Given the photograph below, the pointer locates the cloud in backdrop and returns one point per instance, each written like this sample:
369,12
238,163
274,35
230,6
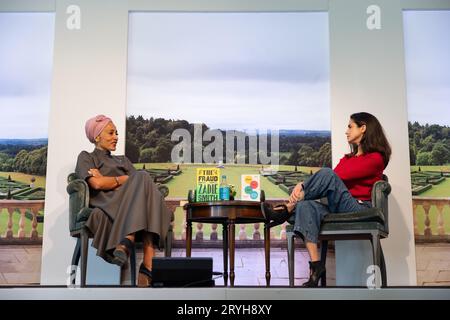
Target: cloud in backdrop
26,58
427,58
240,71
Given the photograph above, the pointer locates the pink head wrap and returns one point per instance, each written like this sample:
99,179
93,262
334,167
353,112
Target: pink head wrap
94,126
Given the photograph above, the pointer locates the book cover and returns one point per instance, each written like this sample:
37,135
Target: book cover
250,187
207,184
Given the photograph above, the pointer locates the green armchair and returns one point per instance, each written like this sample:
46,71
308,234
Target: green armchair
79,212
371,224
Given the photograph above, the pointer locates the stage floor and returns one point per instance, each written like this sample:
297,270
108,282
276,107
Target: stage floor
223,293
21,265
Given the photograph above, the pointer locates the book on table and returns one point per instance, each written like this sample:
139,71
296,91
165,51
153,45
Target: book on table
207,185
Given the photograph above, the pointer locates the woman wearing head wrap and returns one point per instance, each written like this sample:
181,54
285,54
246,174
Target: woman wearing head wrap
127,204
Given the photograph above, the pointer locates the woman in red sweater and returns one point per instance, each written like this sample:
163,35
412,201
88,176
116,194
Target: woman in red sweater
347,188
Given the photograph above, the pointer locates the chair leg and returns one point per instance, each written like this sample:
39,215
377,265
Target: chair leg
376,254
323,258
168,243
84,256
133,266
290,252
75,261
225,253
383,269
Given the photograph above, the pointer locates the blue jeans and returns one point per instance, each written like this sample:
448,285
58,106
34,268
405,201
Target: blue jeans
309,213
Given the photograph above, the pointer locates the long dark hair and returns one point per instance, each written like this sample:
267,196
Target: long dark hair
374,139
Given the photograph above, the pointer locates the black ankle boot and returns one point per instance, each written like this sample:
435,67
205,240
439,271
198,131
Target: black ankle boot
317,272
276,215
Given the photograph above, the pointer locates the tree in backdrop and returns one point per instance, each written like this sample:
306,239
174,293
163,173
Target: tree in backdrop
132,150
149,140
32,162
440,154
429,144
6,162
324,155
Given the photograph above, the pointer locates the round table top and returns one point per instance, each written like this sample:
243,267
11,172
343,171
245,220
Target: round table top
223,203
237,210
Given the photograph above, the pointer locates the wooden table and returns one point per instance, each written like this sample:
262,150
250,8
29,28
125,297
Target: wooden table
228,213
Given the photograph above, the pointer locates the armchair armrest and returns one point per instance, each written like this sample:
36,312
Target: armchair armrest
79,188
380,191
163,189
79,210
71,177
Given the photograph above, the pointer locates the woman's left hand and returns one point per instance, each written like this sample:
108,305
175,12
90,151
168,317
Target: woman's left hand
295,195
95,173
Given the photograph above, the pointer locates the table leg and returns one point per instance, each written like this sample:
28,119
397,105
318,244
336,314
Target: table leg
267,252
225,252
232,240
188,238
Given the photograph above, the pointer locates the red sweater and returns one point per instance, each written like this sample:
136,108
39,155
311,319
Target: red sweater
359,173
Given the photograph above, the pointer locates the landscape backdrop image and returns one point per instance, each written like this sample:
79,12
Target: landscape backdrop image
26,52
428,92
427,49
228,74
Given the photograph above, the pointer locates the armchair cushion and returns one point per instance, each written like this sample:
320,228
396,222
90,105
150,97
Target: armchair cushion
345,227
372,214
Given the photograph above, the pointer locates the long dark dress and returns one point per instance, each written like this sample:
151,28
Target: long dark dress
135,206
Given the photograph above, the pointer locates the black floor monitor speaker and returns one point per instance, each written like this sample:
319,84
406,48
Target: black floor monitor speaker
182,272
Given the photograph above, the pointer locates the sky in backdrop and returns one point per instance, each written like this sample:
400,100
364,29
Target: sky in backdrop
242,71
427,57
229,70
26,59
